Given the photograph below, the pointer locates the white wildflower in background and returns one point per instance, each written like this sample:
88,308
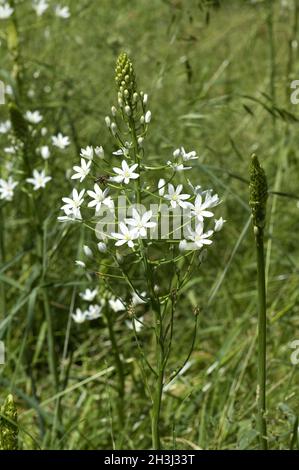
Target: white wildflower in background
89,295
79,316
219,224
125,173
100,197
72,205
7,189
34,117
87,152
62,12
60,141
5,127
116,305
45,152
141,223
40,6
125,236
5,11
10,150
198,237
39,179
176,198
135,324
93,312
81,171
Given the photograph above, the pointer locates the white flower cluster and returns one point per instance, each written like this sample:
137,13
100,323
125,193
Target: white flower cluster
197,205
94,311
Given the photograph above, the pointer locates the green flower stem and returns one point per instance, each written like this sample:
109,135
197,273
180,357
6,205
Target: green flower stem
160,368
262,325
119,368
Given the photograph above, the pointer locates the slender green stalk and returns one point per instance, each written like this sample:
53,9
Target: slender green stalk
160,367
262,325
257,199
119,369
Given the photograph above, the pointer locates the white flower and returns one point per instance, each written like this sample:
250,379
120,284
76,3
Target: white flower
121,152
116,305
176,198
137,300
145,98
141,223
81,171
135,324
99,151
200,207
34,117
72,206
108,121
60,141
5,11
79,316
62,12
7,189
79,263
199,238
125,173
126,236
93,312
87,251
88,295
177,153
188,155
39,180
161,186
87,153
5,127
102,247
100,197
45,152
148,117
40,6
178,166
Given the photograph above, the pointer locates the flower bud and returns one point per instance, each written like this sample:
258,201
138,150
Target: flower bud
113,128
128,110
87,251
102,247
113,111
148,117
108,121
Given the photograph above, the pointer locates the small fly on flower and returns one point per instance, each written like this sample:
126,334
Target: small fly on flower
103,179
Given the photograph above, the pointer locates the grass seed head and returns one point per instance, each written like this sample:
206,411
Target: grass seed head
258,192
